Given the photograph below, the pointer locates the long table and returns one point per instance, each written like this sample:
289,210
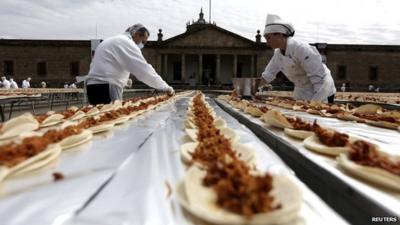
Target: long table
123,177
354,199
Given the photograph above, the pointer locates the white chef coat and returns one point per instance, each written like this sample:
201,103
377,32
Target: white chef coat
302,65
6,84
118,56
13,84
25,84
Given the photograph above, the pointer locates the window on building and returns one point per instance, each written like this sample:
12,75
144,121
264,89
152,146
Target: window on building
8,68
373,73
177,73
42,69
341,72
74,69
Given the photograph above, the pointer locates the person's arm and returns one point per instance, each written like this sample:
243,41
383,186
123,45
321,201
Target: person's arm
270,71
132,60
311,62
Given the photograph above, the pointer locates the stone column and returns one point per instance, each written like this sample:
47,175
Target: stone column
252,67
159,64
200,76
234,66
183,68
218,69
165,67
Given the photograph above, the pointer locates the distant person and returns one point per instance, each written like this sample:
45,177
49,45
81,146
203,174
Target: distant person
66,85
371,88
73,85
26,83
117,57
300,62
343,88
6,83
13,84
43,84
377,90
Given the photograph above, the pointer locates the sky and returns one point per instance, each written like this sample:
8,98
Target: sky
374,22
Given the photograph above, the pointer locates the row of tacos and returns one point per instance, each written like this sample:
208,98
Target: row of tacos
37,149
27,122
222,184
370,114
355,155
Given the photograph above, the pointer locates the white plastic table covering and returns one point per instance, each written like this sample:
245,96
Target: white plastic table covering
389,140
138,195
37,199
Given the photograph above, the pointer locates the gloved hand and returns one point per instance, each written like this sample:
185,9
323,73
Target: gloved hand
170,91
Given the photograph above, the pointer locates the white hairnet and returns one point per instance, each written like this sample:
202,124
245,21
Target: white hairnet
132,29
275,24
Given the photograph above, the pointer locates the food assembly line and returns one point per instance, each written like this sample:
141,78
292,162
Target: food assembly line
189,159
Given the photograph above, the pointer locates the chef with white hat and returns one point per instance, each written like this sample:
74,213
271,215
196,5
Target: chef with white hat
116,58
300,62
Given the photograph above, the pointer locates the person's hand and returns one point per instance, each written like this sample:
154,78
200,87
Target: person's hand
170,91
262,82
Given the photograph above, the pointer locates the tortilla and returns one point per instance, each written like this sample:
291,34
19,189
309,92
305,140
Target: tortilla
117,104
383,124
101,128
371,174
276,119
107,107
242,105
93,111
73,108
254,111
136,113
52,120
367,109
18,125
119,120
34,162
349,116
286,105
246,154
299,134
127,104
186,150
200,201
220,123
189,124
394,114
75,140
312,143
299,108
78,115
40,163
313,111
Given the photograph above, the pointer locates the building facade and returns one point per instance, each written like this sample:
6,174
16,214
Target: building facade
54,61
204,56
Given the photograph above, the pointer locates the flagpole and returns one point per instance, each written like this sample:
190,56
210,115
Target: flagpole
210,12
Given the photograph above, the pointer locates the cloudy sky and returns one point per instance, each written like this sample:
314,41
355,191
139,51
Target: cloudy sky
331,21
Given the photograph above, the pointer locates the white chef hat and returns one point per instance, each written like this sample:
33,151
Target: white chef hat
275,24
132,29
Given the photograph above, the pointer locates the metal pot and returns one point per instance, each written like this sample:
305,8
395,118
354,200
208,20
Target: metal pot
246,86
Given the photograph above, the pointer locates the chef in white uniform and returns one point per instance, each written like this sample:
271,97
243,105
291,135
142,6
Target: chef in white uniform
115,58
6,83
300,62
